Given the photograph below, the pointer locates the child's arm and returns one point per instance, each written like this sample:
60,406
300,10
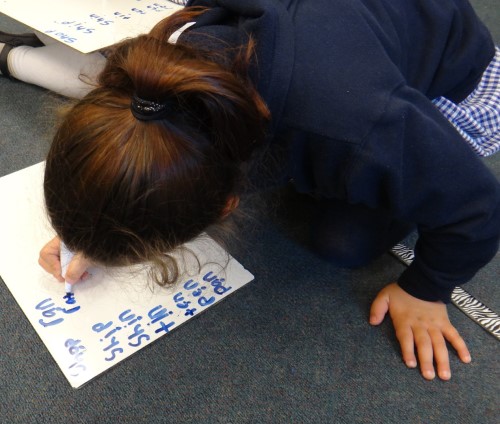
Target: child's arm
420,325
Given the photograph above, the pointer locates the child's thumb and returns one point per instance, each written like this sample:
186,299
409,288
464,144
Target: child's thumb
379,308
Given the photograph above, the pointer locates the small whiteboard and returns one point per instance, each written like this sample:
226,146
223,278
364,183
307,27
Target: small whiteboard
113,314
89,25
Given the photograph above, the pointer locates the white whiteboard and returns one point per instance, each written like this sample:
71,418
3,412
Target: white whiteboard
115,314
89,25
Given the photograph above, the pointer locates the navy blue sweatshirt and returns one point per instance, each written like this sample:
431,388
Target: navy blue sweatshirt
349,84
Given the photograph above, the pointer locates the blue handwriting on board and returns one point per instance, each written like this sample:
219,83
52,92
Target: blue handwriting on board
121,15
50,310
76,350
128,328
75,25
61,36
82,27
196,291
216,283
128,320
69,298
100,19
153,7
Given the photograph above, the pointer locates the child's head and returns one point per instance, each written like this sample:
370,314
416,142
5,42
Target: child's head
124,190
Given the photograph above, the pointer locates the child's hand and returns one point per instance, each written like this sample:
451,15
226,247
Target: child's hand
420,325
50,261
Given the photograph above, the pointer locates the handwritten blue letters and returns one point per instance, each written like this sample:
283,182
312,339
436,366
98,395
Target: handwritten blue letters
76,350
50,310
129,329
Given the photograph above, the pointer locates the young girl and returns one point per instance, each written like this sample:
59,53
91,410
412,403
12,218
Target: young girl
352,94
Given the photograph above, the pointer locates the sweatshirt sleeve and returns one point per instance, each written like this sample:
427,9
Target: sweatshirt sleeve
415,164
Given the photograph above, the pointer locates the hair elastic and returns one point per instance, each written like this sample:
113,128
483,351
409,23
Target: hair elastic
148,110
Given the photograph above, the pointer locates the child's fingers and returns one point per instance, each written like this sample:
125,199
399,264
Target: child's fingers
423,344
405,338
440,354
49,258
52,265
77,268
452,335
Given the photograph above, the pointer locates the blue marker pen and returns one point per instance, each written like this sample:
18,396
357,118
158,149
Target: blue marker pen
66,255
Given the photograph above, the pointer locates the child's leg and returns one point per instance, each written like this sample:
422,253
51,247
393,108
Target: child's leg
353,235
56,67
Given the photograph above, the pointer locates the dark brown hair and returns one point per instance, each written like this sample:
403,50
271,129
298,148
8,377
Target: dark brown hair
123,191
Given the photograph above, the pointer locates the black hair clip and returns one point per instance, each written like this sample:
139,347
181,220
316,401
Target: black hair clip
147,110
